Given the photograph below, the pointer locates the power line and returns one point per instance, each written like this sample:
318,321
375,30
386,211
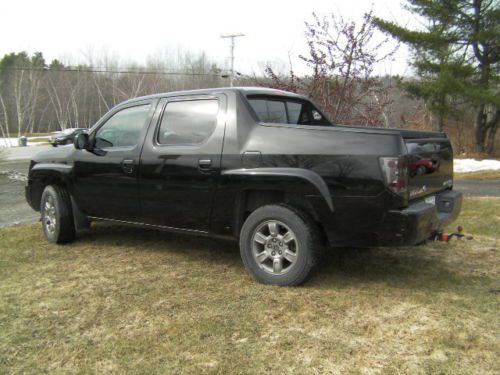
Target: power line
98,70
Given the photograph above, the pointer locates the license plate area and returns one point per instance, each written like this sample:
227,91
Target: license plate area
445,204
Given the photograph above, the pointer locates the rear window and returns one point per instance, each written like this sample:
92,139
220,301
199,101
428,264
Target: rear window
285,111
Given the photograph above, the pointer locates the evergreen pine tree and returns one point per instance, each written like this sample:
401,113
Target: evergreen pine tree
457,54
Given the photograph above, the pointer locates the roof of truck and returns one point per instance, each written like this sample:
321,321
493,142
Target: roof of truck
243,90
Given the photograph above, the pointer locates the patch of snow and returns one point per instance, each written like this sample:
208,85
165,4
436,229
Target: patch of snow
8,142
472,165
14,142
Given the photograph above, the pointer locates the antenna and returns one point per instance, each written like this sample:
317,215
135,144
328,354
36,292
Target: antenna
232,37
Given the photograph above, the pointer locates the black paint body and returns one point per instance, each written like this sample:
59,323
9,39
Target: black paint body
332,172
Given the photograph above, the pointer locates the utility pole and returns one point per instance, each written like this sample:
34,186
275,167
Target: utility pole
233,37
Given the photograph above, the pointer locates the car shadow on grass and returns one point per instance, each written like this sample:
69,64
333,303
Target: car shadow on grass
420,268
428,268
150,240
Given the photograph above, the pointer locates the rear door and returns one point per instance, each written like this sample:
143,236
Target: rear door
180,162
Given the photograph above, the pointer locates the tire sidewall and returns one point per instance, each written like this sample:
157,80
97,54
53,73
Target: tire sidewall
297,225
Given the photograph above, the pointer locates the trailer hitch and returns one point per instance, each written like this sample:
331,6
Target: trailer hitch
440,235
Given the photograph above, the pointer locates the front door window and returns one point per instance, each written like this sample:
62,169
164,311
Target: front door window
123,129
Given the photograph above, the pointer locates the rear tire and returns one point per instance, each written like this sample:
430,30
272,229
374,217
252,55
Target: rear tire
279,244
57,215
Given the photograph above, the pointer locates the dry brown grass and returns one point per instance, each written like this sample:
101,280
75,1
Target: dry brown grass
39,140
479,175
123,300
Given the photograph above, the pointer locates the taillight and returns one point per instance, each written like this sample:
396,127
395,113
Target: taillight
395,172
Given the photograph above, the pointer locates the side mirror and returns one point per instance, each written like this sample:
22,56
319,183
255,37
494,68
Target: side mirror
82,142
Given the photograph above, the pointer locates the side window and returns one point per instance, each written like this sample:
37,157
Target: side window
298,113
269,110
260,108
123,129
188,122
276,112
284,111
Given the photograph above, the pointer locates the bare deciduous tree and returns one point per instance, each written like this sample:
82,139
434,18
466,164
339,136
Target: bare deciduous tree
342,56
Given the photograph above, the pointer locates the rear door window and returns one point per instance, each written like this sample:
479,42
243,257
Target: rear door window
188,122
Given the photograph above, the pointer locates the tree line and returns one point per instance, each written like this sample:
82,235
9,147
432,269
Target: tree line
456,55
37,96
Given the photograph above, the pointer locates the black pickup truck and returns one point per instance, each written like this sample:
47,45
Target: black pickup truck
261,166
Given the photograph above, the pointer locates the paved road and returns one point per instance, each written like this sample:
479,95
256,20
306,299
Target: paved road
478,188
14,209
13,206
24,153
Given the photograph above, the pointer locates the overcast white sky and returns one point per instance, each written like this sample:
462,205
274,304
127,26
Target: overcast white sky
133,30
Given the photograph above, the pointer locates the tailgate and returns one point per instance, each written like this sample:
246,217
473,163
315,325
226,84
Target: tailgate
430,163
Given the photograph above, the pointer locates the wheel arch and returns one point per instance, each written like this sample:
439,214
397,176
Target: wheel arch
44,174
291,186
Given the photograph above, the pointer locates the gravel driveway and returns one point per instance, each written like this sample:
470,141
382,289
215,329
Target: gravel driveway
15,210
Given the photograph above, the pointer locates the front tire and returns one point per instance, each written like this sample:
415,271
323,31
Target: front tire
278,245
57,215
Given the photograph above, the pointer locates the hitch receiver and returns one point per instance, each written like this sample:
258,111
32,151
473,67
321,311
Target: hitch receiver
440,235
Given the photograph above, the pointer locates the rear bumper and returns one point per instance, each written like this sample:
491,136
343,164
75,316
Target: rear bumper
417,222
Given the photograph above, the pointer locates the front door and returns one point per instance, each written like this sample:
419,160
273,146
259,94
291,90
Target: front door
180,162
106,180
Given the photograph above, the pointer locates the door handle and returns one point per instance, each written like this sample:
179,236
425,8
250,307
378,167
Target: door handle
128,166
205,164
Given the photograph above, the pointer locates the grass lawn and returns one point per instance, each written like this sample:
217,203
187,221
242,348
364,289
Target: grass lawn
122,300
40,140
38,134
479,175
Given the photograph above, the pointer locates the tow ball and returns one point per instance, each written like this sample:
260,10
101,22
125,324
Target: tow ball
440,235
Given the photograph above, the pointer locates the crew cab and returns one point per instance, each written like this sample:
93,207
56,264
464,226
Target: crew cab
261,166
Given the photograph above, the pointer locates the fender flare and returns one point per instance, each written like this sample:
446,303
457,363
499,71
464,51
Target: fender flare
304,174
56,167
42,171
